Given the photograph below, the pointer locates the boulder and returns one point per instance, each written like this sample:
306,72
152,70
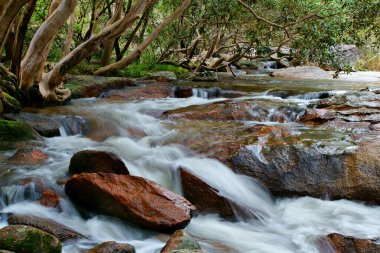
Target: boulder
92,161
205,198
44,125
60,231
296,167
208,76
156,90
162,76
352,111
28,156
304,72
180,240
24,239
183,91
16,131
347,244
135,199
224,110
94,86
112,247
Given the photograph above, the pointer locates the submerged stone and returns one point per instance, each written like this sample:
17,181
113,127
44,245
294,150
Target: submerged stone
112,247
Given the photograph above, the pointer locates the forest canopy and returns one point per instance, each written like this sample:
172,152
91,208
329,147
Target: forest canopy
42,42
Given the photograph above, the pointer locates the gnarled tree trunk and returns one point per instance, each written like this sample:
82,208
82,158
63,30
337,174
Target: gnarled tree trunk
33,63
140,49
70,34
20,37
49,86
108,46
8,11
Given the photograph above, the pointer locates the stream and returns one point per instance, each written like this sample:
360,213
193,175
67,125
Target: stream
150,148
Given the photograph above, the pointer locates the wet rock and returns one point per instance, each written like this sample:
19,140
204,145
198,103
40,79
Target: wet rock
208,76
91,161
60,231
94,86
16,131
179,241
39,190
356,108
134,199
24,239
112,247
162,76
28,156
50,199
156,90
346,244
183,91
305,72
205,198
44,125
225,110
293,167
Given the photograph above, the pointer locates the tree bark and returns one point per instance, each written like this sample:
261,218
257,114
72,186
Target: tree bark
108,46
20,37
52,80
33,63
7,16
140,49
70,35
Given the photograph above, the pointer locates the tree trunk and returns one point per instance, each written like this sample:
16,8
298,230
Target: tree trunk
70,35
49,86
20,37
7,16
33,63
108,46
140,49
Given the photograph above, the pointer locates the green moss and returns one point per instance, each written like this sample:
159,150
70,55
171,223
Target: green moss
12,100
25,239
84,68
15,131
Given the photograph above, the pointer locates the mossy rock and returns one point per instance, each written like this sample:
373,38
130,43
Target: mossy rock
13,105
16,131
14,102
24,239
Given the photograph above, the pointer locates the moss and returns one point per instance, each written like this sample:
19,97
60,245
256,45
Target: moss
25,239
12,100
15,131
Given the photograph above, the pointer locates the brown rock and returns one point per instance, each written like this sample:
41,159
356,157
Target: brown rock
183,91
180,240
204,197
130,198
346,244
91,161
112,247
142,92
29,156
50,199
60,231
225,110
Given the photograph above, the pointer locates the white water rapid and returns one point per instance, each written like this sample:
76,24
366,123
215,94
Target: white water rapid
283,225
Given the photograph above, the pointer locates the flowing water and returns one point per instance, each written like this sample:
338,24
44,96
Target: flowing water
264,224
